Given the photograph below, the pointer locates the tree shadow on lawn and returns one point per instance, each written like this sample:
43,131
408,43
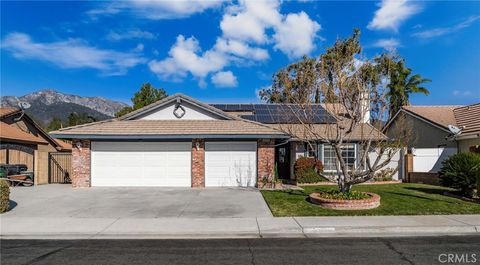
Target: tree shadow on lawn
427,190
424,198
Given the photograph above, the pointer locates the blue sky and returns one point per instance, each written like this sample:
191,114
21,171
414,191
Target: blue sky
225,51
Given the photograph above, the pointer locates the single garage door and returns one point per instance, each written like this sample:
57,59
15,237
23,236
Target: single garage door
230,164
141,164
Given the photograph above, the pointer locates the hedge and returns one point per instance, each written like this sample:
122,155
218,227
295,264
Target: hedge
4,196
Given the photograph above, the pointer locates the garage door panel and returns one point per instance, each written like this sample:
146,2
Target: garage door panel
141,164
230,164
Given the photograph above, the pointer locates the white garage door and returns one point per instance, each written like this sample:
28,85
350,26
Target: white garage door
141,164
230,164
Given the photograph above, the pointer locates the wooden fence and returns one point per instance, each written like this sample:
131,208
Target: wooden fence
59,167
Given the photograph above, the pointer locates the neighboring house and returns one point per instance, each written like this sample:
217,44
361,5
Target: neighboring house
179,141
23,141
432,141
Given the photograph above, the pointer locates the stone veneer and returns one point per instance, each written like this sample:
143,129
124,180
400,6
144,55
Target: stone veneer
80,163
265,160
198,163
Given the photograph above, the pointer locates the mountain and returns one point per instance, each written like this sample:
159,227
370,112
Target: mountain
46,104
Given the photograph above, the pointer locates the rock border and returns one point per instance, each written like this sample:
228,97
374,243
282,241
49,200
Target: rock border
364,204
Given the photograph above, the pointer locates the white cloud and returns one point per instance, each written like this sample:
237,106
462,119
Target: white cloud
240,49
387,44
247,27
392,13
139,47
155,10
185,56
464,93
224,79
296,34
130,34
72,53
437,32
249,20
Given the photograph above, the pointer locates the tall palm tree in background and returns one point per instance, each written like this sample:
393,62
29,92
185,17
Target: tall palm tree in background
402,85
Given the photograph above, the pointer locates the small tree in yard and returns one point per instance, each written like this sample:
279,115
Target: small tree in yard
145,96
355,84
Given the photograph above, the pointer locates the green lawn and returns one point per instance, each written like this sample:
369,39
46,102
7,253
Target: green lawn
396,199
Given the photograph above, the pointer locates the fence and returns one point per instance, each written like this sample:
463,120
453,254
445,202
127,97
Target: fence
59,167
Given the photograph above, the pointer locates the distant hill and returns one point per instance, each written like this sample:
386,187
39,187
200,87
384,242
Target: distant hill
46,104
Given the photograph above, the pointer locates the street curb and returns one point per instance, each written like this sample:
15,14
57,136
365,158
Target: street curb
395,231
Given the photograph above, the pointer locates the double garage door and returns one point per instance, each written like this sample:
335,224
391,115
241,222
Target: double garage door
168,164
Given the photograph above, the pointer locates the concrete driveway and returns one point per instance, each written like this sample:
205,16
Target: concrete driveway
63,201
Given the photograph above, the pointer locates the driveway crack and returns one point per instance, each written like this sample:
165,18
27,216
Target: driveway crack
303,231
104,229
188,204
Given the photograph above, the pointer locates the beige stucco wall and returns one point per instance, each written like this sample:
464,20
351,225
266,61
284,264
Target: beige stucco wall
420,133
464,145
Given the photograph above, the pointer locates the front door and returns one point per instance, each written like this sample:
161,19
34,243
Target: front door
282,160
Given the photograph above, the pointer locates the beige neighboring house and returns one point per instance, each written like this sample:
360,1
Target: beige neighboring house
432,129
23,141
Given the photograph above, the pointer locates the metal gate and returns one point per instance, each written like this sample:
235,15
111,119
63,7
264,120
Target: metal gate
59,167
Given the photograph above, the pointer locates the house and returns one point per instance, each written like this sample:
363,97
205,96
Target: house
23,141
180,141
433,140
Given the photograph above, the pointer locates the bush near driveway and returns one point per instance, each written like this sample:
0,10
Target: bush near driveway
462,172
396,199
4,196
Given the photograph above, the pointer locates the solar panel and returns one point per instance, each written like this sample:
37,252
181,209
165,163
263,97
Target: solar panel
278,113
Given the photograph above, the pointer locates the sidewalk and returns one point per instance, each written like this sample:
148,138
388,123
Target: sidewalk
160,228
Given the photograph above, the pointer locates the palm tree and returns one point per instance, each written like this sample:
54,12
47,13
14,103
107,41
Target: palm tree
402,85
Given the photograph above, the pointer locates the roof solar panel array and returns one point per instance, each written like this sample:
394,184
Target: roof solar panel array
275,113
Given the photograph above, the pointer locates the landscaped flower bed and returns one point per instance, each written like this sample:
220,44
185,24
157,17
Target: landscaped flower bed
353,200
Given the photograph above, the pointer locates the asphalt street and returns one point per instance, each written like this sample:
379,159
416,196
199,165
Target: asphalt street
398,250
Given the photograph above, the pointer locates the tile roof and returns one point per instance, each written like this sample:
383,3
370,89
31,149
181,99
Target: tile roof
439,115
8,111
168,127
10,133
64,146
364,131
468,118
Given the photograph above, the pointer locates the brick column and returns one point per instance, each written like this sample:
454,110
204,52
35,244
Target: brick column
80,163
198,163
265,160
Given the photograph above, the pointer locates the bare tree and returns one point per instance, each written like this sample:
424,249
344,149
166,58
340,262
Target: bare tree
355,85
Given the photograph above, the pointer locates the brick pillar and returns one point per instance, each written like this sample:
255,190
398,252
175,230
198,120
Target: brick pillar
265,160
198,163
80,163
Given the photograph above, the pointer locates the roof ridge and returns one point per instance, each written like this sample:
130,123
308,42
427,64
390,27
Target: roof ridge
83,125
169,98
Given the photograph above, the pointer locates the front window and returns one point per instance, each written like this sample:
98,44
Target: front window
330,158
312,150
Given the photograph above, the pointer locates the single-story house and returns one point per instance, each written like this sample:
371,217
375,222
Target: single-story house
180,141
437,132
23,141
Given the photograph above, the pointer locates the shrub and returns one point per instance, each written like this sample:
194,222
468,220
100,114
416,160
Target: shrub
462,172
385,174
4,196
307,170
